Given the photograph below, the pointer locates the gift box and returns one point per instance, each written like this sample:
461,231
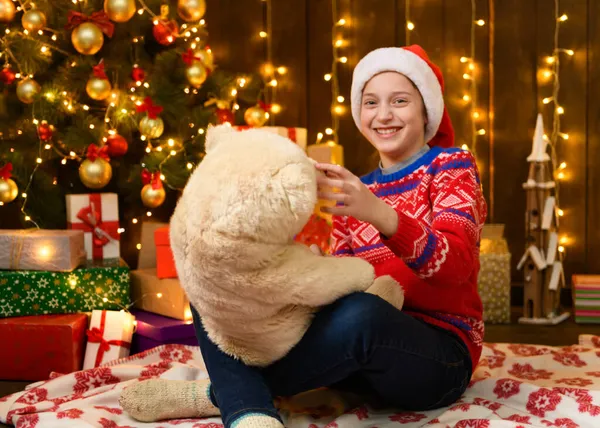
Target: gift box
165,263
297,135
494,275
316,231
94,285
35,346
97,215
160,296
154,330
328,152
40,249
109,337
586,298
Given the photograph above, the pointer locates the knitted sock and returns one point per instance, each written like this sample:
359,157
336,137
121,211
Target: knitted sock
256,420
157,399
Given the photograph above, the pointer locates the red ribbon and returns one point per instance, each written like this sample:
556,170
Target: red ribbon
99,70
5,171
147,106
265,106
96,335
91,221
94,152
99,18
189,57
151,178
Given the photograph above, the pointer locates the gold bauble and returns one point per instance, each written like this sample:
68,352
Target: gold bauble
151,197
98,88
206,57
95,174
7,10
255,116
34,20
87,38
191,10
152,128
27,90
8,190
119,10
196,74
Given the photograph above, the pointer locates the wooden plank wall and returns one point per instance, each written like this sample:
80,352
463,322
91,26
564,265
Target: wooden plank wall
510,52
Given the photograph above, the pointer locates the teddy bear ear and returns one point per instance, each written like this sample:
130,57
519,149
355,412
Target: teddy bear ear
215,134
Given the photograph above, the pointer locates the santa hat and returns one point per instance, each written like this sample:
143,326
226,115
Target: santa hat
413,62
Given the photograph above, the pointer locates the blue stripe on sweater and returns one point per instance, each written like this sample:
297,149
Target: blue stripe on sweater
458,213
428,252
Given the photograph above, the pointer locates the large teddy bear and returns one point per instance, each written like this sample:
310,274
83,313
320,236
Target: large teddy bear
232,235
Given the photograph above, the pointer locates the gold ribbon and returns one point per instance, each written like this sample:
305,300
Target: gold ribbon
16,247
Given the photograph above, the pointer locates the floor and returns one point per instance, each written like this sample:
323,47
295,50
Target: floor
560,335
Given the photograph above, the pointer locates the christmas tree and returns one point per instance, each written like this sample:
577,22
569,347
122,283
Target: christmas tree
109,96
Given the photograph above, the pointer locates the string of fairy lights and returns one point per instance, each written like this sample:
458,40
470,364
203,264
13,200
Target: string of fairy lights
340,43
552,72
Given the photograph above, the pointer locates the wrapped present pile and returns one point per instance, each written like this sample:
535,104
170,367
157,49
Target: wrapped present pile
494,275
63,293
586,298
162,311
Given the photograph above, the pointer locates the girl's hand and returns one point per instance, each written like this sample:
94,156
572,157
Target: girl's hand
354,199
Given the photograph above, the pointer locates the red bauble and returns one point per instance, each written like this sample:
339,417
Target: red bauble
165,32
45,131
137,74
224,115
7,75
117,145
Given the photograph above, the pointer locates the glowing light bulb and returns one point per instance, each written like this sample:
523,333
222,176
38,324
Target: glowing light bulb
410,26
327,77
480,22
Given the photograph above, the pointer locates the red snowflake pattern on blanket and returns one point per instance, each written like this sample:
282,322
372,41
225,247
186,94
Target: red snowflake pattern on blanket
528,350
28,421
519,418
473,423
33,396
70,414
360,412
106,423
542,401
94,378
407,417
506,388
569,359
19,411
113,410
575,381
177,353
526,371
155,370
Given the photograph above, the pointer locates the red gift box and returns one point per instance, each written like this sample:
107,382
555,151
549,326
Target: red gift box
316,231
35,346
165,264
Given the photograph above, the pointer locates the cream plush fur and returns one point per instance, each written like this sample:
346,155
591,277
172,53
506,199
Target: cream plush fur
232,231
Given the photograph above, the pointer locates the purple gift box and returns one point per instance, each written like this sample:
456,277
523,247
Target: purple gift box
154,330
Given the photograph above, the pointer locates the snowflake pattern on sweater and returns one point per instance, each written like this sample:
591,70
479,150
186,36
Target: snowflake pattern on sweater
434,254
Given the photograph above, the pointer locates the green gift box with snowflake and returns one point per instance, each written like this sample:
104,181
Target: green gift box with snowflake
102,284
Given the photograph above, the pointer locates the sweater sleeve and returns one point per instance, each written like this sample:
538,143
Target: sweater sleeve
341,237
445,251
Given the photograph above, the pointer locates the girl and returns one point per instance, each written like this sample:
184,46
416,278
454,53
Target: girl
417,217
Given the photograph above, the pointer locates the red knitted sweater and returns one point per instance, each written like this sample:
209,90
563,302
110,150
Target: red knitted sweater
434,254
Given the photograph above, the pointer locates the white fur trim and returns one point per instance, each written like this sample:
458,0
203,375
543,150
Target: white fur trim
413,67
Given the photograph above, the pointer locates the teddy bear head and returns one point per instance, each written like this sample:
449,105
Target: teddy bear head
252,185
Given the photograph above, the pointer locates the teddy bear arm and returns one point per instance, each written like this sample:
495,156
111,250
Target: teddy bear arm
317,280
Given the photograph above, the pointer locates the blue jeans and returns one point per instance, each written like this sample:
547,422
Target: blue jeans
359,343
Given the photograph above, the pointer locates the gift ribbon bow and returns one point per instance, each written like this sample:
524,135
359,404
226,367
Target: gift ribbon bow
96,335
94,152
189,57
5,171
265,106
91,217
99,18
151,178
147,106
98,70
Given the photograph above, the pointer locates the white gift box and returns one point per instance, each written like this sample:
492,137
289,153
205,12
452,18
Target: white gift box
109,337
97,214
297,135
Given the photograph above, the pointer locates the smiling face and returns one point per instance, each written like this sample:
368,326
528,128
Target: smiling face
392,117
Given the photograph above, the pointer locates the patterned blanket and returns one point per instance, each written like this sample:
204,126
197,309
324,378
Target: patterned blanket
516,386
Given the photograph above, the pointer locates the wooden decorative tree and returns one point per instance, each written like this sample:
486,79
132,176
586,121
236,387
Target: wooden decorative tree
541,264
